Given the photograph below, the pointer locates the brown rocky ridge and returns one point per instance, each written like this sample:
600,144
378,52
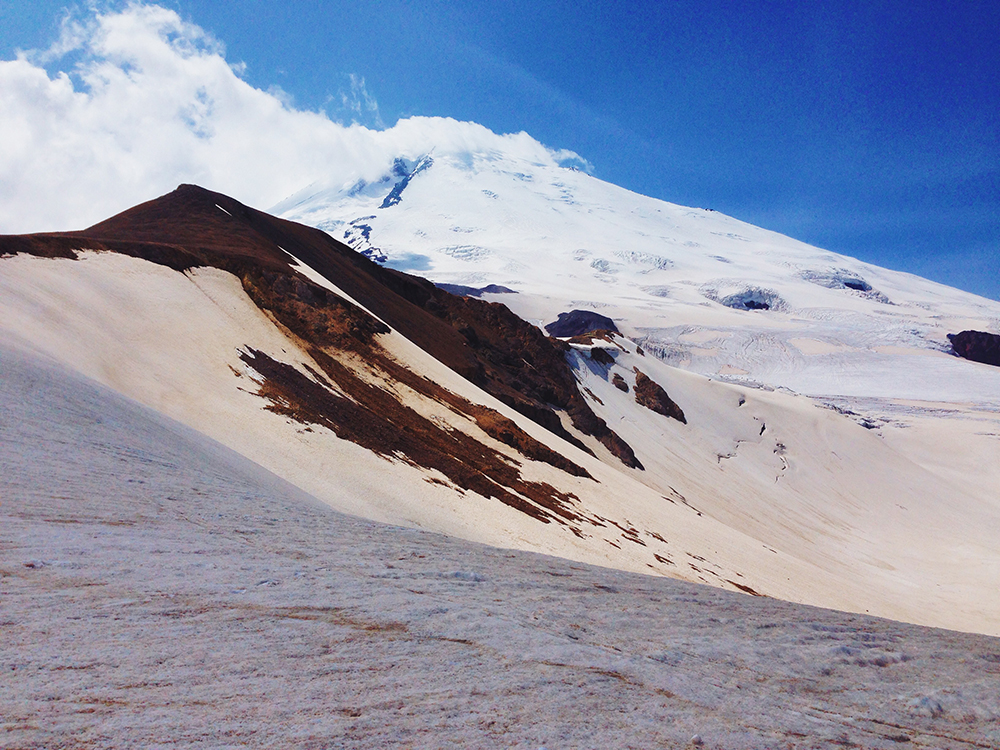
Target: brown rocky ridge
482,341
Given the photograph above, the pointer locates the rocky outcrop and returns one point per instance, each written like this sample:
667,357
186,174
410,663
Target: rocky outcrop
402,169
526,369
650,394
578,322
978,346
602,356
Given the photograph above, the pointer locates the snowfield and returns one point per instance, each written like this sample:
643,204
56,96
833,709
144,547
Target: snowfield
158,588
704,291
761,491
678,280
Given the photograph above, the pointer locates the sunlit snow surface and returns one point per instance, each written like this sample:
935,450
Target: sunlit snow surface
159,590
679,280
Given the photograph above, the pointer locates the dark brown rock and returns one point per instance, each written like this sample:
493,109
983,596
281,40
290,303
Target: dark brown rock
650,394
602,356
619,382
373,418
577,322
977,346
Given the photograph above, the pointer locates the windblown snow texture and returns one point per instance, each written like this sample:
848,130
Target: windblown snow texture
153,571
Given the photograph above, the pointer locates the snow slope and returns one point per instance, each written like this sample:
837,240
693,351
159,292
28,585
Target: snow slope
182,362
760,490
146,571
705,293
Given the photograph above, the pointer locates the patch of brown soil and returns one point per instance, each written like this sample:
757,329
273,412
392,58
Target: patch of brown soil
489,420
745,589
315,314
504,430
590,424
42,245
589,337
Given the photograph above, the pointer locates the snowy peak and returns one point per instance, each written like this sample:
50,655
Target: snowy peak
356,231
405,171
704,291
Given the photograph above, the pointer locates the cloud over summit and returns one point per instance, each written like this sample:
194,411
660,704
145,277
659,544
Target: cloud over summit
126,105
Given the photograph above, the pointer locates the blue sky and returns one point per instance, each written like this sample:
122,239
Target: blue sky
871,129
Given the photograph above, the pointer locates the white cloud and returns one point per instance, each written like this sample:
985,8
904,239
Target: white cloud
361,104
566,158
152,102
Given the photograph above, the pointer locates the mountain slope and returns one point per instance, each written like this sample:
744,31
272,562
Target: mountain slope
236,314
482,342
701,290
147,570
287,347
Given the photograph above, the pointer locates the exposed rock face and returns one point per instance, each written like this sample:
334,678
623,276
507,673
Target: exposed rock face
602,356
401,169
515,362
577,322
978,346
619,382
651,395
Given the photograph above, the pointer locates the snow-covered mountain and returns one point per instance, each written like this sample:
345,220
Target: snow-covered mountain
389,398
701,290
